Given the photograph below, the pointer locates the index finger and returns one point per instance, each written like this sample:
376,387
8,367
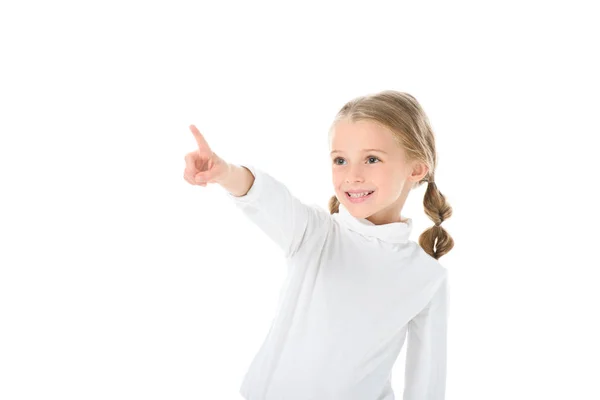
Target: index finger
202,144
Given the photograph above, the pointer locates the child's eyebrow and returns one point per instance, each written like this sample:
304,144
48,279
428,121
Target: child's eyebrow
381,151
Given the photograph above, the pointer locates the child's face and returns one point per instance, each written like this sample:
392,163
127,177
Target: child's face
388,174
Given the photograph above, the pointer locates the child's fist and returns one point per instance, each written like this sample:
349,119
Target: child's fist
203,166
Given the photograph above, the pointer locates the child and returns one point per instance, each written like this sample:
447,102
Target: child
356,285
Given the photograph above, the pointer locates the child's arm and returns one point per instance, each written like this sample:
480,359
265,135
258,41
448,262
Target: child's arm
238,180
425,372
273,208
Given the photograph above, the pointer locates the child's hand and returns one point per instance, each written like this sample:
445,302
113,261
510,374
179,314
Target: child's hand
203,166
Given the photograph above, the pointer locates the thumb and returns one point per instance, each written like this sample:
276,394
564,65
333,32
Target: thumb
202,177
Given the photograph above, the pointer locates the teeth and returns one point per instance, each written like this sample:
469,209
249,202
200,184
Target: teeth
358,194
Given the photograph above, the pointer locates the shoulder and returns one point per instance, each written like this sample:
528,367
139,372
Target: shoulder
428,264
320,214
319,222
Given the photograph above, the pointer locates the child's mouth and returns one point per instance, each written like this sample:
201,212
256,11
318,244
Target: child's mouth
359,199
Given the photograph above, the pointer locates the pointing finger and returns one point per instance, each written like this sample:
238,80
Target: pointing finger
202,144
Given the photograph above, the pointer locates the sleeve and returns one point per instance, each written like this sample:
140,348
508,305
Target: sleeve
278,213
425,372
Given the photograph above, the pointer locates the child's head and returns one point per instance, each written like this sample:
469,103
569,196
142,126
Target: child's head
394,123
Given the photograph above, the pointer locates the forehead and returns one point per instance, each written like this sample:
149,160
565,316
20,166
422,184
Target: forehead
355,136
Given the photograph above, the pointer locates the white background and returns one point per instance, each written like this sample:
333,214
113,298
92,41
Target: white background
119,280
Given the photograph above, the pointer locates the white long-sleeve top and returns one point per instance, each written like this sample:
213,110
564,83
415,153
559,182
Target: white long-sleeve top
353,292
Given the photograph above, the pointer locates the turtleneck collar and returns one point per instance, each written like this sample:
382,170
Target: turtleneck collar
395,232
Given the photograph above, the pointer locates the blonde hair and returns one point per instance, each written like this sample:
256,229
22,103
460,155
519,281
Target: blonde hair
402,114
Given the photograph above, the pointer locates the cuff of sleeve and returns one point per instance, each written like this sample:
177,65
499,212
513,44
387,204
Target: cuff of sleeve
254,191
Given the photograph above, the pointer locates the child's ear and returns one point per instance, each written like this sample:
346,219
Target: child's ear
419,171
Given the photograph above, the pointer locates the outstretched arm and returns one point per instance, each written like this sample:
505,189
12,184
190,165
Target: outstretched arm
273,208
425,372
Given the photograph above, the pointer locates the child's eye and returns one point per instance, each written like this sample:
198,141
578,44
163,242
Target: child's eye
340,158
